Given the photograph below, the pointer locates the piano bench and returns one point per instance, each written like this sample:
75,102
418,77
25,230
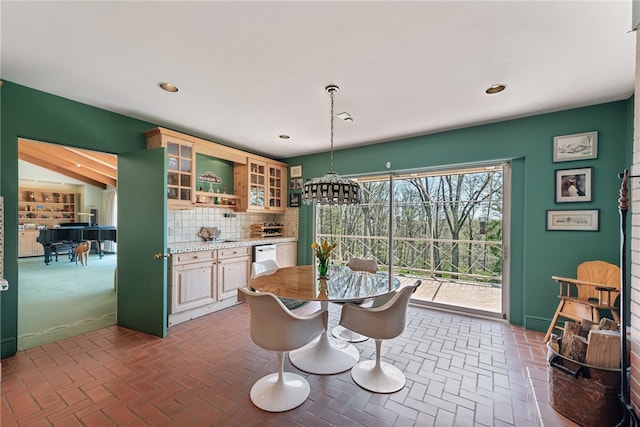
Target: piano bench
62,248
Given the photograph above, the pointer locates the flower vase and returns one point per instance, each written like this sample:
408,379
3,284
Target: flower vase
322,287
322,268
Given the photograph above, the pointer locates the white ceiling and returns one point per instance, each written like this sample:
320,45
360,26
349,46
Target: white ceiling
250,71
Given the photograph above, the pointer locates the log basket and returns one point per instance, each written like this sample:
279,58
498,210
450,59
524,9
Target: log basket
588,395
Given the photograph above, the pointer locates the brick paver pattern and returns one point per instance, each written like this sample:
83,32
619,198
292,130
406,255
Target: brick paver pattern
461,371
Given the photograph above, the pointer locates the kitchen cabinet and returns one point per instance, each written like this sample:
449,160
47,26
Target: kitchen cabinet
27,244
193,280
48,207
180,167
261,185
206,281
287,254
234,267
259,182
277,190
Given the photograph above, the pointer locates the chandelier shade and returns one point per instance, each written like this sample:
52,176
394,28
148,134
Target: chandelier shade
331,189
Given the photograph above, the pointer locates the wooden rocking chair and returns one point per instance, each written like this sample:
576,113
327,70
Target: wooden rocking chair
595,289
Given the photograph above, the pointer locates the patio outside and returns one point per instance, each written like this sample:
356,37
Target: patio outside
470,295
444,228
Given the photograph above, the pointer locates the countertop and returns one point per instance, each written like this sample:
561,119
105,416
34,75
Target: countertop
177,248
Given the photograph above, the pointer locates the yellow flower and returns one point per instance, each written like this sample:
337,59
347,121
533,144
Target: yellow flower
323,250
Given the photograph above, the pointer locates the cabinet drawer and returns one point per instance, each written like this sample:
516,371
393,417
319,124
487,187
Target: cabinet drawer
234,252
189,257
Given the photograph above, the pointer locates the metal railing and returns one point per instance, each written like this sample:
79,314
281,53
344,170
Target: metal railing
463,260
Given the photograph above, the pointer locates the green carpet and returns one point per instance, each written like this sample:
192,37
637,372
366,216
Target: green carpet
61,300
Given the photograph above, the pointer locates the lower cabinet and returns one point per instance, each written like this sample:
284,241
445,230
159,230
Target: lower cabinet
287,254
28,245
206,281
193,280
234,268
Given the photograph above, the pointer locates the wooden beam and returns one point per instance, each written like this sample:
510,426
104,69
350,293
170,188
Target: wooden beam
96,167
61,170
60,157
105,164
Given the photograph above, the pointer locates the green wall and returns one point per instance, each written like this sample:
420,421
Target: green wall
36,115
222,168
534,253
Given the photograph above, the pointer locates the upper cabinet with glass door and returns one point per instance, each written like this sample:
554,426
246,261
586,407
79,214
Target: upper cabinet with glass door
180,167
259,183
276,190
261,186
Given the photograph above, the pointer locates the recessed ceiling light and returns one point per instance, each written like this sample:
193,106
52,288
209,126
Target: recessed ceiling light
284,136
168,87
497,88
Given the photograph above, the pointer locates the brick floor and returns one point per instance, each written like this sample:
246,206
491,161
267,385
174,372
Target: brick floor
461,371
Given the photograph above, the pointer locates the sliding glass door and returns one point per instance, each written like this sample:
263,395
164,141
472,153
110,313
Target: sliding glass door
445,228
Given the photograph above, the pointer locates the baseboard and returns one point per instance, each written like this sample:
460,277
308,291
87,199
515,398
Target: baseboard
8,347
534,323
183,316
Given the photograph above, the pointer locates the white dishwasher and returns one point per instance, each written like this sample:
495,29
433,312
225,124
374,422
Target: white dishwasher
264,252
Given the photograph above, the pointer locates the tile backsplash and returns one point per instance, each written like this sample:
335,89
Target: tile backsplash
184,225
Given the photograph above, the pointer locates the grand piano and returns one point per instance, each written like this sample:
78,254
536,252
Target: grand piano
70,234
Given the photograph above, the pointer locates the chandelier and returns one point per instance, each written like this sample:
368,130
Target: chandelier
331,189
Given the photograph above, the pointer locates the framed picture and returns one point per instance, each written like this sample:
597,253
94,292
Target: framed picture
299,183
295,171
573,185
294,200
292,184
579,146
586,220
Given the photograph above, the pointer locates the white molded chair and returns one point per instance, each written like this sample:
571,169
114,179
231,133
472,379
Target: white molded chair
384,322
359,264
268,266
355,264
263,267
274,327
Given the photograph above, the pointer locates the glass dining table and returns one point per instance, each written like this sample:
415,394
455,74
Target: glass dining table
325,355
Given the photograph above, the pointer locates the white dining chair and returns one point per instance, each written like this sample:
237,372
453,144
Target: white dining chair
382,322
360,264
355,264
273,327
268,266
263,267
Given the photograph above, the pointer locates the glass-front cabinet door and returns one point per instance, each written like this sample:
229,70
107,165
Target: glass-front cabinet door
257,184
276,187
179,171
180,168
261,185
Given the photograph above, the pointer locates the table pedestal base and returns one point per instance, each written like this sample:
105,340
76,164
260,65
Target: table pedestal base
325,356
347,334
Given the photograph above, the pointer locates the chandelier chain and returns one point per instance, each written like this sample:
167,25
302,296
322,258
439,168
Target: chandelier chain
331,189
331,93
